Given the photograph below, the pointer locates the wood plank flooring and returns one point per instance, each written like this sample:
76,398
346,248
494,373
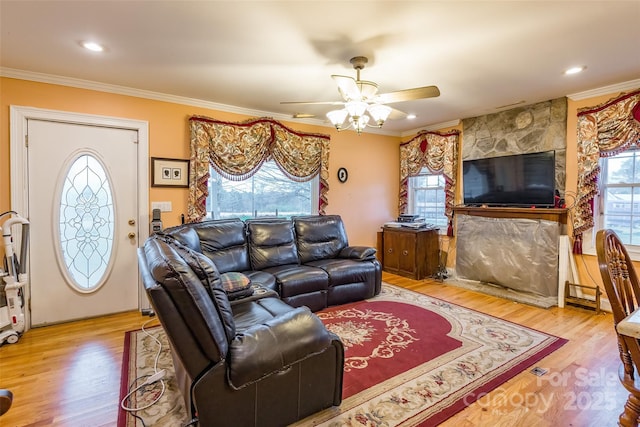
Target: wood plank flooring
69,374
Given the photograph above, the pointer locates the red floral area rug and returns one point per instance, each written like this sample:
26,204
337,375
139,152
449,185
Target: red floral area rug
410,360
383,339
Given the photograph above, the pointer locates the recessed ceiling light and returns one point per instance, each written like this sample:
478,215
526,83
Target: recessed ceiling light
411,116
574,70
92,46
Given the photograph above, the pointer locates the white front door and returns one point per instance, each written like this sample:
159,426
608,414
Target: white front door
82,206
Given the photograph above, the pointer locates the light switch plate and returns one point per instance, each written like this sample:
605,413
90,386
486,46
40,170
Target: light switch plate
163,206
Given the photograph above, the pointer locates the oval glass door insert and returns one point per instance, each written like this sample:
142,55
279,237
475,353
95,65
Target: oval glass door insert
86,224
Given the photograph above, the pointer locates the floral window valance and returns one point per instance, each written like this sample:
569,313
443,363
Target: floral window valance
439,153
603,131
237,150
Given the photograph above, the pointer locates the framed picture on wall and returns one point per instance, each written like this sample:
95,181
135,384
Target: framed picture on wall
169,172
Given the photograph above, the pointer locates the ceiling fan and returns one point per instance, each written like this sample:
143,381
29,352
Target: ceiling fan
362,102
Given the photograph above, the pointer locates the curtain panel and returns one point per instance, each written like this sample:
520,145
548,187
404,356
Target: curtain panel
439,153
238,150
603,131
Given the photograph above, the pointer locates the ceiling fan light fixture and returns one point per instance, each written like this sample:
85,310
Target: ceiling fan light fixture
359,123
380,113
363,104
356,109
355,113
337,117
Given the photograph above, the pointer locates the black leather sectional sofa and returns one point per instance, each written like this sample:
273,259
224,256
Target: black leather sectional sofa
262,359
307,259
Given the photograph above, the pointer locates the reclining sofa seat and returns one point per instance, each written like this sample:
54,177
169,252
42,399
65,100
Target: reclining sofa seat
354,272
307,259
273,249
255,361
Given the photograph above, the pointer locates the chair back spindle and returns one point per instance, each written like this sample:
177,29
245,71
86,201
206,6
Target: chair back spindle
623,291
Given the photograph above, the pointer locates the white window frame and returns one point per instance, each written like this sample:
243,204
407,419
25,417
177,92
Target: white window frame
589,236
411,199
315,196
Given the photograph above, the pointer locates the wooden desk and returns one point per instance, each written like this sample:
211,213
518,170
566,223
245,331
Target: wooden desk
630,326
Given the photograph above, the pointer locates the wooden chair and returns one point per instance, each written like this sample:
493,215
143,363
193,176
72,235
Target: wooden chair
623,290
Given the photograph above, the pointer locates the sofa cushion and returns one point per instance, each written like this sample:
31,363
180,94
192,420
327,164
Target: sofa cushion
319,237
343,271
262,278
236,285
271,243
268,347
296,279
224,241
249,312
185,235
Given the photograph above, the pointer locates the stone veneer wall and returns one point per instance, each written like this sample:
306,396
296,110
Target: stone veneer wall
529,129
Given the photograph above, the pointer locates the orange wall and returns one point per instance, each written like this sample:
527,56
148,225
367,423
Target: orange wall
365,201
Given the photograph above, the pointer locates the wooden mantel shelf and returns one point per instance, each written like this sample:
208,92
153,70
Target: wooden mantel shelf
548,214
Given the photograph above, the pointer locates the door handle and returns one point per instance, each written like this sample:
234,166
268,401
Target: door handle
131,235
132,221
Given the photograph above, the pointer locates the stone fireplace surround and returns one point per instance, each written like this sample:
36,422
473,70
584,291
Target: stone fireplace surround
518,253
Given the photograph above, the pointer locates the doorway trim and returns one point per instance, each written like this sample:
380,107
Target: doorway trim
19,116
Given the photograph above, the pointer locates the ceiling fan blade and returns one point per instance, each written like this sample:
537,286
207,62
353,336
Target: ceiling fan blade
313,102
396,114
347,87
408,94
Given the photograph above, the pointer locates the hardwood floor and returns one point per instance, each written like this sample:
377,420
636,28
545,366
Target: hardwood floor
69,374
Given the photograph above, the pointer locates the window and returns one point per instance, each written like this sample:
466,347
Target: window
86,224
618,206
427,198
267,193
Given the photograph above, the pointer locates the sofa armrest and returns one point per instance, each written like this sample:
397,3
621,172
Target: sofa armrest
361,253
275,345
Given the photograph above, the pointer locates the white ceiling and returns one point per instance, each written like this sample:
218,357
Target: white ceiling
483,55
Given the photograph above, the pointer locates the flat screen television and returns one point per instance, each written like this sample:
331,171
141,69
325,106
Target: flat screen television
521,180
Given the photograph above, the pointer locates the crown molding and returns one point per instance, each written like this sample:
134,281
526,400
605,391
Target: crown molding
146,94
194,102
432,128
605,90
157,96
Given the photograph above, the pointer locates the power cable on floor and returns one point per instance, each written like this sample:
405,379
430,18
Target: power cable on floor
149,379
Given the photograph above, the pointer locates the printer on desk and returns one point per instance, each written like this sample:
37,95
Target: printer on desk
410,221
408,218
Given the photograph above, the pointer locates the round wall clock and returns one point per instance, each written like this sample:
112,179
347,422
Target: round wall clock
343,175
